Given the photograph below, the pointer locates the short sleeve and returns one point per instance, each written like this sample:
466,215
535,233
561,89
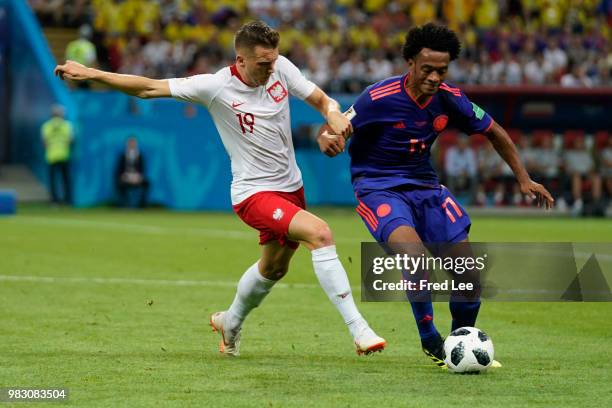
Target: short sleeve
296,82
468,116
197,89
365,111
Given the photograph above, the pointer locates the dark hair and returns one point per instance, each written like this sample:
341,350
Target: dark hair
256,33
436,37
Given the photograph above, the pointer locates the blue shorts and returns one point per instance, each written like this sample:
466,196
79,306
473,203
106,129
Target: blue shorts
432,211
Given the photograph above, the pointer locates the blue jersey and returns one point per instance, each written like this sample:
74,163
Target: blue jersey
393,134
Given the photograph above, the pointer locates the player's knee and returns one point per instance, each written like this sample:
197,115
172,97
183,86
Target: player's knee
321,235
273,271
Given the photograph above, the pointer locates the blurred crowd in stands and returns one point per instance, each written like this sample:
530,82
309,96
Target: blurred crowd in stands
576,168
345,45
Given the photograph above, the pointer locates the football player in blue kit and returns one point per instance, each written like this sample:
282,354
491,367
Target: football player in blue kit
395,122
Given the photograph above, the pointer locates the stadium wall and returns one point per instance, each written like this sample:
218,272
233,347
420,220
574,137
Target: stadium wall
32,87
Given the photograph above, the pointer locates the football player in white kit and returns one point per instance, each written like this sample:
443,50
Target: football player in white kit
249,104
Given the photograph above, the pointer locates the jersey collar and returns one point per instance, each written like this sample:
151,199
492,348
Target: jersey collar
234,71
424,105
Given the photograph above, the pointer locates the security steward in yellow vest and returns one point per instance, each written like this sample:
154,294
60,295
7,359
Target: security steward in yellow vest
57,137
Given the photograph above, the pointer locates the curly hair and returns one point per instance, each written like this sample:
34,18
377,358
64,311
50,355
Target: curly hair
432,36
256,33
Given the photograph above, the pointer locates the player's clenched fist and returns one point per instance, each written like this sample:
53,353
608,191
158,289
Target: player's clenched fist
74,71
330,143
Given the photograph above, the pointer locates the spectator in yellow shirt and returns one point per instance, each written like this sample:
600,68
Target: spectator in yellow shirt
457,12
486,15
422,12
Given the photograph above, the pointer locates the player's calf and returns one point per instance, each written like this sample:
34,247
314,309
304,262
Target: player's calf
317,236
252,288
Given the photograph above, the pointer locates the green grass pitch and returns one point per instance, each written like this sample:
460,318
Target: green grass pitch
122,320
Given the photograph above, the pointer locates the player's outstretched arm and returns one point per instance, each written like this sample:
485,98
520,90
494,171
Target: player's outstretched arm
141,87
507,150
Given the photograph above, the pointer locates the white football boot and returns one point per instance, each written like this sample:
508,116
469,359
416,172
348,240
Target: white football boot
230,339
367,342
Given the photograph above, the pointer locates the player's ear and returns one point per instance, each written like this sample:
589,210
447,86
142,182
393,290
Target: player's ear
240,57
239,60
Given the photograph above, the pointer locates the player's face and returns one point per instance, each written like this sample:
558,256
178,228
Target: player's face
258,64
428,70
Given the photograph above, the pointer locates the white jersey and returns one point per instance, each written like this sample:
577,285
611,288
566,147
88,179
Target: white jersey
254,124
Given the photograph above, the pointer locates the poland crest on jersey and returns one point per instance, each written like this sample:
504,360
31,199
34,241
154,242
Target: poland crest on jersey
277,91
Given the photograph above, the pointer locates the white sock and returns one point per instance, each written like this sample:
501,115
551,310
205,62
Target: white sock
333,280
252,289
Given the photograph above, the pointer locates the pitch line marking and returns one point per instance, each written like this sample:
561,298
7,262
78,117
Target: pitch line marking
133,281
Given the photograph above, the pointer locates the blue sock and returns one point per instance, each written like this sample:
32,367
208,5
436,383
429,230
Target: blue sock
422,308
464,313
423,315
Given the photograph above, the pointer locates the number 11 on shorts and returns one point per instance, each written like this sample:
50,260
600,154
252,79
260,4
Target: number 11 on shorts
454,206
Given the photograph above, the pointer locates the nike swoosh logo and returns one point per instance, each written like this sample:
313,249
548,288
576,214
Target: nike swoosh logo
235,105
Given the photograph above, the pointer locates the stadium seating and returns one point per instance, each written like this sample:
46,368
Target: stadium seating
311,32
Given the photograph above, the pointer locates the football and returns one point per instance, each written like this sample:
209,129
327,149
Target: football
468,350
